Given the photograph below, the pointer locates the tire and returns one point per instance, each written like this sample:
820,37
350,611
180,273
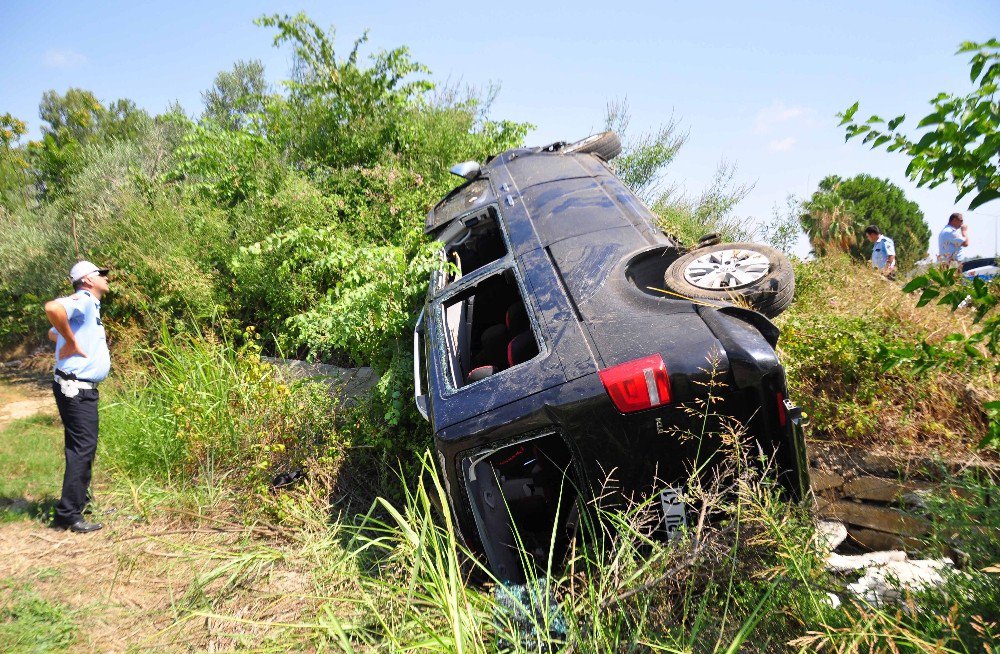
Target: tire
605,145
708,239
768,282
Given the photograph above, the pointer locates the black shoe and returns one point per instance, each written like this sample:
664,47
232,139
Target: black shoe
84,527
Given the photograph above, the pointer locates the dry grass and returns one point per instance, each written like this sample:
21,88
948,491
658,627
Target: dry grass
843,313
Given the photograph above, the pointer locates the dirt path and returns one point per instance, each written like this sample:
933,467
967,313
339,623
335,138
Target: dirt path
23,394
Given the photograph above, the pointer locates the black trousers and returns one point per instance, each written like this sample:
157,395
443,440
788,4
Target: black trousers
79,418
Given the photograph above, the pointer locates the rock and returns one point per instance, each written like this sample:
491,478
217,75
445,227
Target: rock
345,383
830,534
885,584
879,540
874,517
848,562
878,489
823,480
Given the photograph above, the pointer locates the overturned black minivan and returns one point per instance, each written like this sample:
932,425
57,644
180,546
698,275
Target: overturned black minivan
554,357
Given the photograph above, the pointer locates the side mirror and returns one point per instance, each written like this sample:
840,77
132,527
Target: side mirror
466,169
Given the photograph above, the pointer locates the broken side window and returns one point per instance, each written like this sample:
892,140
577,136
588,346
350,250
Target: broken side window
474,241
487,329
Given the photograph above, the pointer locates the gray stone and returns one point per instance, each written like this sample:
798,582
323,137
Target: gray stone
878,541
879,489
344,383
874,517
823,480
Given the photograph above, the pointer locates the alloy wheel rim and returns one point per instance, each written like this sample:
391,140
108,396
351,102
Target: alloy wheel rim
727,269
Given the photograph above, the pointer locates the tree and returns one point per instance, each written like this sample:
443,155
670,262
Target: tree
236,95
838,212
963,142
645,156
13,166
963,145
70,122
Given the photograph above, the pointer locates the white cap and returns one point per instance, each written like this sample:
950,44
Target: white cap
83,268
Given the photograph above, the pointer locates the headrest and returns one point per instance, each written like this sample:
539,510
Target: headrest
482,372
517,318
521,348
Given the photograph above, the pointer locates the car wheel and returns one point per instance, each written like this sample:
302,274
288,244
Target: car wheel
755,274
605,145
708,239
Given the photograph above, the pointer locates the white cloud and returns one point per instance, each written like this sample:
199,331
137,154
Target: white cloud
776,114
64,59
781,145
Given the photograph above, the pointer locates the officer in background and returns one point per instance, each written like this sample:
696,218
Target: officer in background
883,251
952,239
82,362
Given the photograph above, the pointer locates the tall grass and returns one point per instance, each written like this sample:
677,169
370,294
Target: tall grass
212,413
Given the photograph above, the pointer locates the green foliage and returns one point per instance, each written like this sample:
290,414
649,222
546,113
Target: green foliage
841,342
32,625
782,231
228,166
237,97
962,141
836,215
72,121
31,454
644,156
980,349
13,164
345,114
208,411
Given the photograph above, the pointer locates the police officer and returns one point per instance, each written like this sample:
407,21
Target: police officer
952,239
82,361
883,251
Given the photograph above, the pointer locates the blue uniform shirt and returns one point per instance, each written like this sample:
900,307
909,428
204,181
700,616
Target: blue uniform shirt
950,242
84,313
882,250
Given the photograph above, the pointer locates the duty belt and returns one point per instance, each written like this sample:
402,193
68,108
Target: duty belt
70,385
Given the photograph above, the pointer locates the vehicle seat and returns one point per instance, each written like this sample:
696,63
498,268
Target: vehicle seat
492,348
482,372
517,318
521,348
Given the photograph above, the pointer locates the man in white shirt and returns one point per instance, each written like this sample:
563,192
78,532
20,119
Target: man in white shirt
883,251
953,238
82,362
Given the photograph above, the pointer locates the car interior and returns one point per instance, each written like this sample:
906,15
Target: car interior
472,242
520,493
487,329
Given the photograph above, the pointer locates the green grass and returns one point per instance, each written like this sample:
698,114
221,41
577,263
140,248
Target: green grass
32,625
31,464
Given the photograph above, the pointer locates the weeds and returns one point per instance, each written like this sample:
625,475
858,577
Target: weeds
215,415
29,624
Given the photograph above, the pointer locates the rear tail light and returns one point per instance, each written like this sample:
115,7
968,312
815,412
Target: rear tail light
782,413
637,385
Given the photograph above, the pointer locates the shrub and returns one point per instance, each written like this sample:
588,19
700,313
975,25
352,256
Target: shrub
208,411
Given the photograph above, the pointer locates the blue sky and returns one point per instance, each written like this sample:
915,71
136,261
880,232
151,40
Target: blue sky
755,84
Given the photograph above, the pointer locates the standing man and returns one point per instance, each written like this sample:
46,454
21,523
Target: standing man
82,361
952,239
883,251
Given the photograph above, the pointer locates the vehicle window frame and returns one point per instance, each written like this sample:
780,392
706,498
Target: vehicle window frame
439,345
439,283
